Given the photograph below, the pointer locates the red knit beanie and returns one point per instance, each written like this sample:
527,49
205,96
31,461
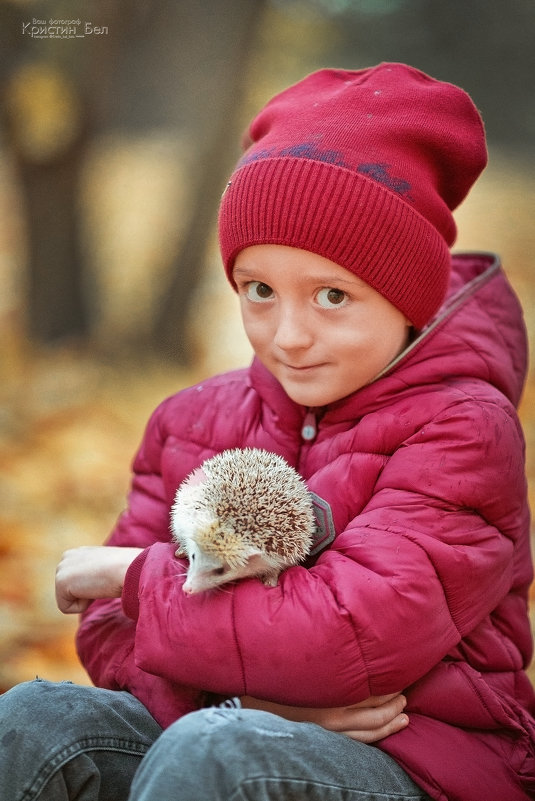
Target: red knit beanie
365,168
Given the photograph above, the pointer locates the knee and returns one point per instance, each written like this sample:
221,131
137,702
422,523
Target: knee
35,706
216,749
23,701
219,732
24,718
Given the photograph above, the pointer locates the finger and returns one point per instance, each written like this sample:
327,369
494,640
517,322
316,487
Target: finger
374,735
77,607
377,700
71,606
365,718
378,717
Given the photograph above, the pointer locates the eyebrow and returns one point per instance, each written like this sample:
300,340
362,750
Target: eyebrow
328,281
244,272
241,271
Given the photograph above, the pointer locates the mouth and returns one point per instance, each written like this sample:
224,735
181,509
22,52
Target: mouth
301,368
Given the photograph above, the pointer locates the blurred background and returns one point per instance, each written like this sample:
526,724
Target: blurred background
119,124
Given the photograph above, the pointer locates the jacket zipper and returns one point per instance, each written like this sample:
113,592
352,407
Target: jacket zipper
309,428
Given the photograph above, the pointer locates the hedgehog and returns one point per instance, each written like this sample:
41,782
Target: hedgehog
242,513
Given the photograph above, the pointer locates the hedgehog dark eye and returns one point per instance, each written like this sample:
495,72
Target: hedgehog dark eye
218,571
192,557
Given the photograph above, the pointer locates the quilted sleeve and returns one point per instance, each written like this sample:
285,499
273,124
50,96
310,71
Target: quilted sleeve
437,548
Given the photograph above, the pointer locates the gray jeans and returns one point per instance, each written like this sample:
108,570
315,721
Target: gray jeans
63,741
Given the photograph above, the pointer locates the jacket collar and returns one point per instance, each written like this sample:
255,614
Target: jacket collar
488,265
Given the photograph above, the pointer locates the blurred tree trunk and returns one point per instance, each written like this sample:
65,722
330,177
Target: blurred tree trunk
55,308
231,45
50,107
46,134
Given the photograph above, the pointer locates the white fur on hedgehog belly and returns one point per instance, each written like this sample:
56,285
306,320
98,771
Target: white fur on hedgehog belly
217,550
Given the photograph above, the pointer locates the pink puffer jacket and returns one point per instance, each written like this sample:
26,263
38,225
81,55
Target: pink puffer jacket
425,586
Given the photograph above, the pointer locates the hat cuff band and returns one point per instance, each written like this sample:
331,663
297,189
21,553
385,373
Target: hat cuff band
345,217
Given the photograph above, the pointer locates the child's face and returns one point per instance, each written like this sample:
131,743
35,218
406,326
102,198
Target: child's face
320,330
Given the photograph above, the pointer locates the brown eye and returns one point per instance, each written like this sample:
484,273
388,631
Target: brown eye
258,291
329,297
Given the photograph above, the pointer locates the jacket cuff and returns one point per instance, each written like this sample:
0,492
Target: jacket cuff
130,595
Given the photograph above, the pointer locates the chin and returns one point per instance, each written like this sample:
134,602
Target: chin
310,399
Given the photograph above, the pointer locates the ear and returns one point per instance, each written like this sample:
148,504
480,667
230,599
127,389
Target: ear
198,476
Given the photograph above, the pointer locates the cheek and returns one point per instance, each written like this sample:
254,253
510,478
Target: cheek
388,349
384,329
366,350
396,338
256,328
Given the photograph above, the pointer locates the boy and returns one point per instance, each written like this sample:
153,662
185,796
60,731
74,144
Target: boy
388,372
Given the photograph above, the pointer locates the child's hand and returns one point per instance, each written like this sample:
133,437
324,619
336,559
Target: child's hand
90,572
367,722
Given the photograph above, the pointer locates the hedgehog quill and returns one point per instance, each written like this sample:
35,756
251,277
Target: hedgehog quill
242,513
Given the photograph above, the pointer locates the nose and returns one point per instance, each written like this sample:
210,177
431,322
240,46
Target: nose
294,331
